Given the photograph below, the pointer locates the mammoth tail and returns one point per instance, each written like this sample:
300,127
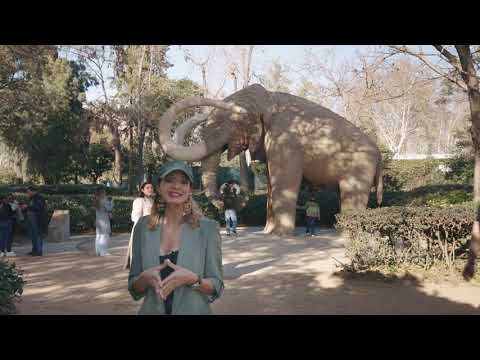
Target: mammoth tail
379,183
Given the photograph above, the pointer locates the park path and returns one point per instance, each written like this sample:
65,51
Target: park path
263,275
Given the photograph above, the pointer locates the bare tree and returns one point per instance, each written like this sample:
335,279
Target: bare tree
239,64
277,77
204,65
459,65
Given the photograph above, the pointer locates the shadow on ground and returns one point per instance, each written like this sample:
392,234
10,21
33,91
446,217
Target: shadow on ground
301,294
263,275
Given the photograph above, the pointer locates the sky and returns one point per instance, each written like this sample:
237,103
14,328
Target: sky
262,57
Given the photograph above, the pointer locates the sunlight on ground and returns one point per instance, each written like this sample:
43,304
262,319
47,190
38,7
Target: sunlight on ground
263,275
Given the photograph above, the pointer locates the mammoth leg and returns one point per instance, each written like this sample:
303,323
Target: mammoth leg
270,223
354,193
285,165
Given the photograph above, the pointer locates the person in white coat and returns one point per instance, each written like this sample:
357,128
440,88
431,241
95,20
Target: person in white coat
102,223
142,206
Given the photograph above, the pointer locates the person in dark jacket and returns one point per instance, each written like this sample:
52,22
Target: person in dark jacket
6,214
35,220
230,195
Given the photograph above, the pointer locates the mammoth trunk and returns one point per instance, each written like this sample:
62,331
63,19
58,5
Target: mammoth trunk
243,172
209,175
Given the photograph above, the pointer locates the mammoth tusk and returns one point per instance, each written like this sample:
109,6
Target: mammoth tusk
197,151
187,126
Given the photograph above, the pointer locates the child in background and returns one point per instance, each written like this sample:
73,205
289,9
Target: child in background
312,213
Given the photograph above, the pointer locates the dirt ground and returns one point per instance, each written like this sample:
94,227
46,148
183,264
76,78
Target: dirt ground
263,275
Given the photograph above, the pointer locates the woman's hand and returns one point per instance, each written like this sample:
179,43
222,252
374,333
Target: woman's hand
151,278
179,277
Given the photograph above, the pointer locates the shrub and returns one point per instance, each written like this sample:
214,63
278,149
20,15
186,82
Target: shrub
432,195
409,174
462,170
11,287
396,236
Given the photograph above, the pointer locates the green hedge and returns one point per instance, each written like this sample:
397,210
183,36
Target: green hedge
462,170
63,189
396,236
431,195
11,286
410,174
82,212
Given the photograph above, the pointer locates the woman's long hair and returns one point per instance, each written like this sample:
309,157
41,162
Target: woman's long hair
158,210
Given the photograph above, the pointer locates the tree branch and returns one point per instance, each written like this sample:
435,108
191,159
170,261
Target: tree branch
432,67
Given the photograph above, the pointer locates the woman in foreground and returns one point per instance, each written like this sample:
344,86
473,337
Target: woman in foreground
176,253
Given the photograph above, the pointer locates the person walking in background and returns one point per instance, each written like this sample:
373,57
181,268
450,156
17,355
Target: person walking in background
6,214
142,206
102,223
229,193
35,215
17,219
109,206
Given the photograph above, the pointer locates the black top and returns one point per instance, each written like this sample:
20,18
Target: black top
163,275
230,200
37,205
6,212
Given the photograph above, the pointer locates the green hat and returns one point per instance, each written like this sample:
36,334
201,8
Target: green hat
175,165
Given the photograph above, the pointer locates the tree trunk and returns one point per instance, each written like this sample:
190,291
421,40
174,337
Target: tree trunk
140,147
25,170
474,99
469,75
130,161
117,169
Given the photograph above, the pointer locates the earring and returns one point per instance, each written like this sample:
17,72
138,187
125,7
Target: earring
187,206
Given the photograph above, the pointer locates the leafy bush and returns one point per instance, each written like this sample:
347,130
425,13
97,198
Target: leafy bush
7,178
409,174
433,195
11,287
396,236
462,170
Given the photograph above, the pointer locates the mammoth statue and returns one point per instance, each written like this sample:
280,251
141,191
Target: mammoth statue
294,136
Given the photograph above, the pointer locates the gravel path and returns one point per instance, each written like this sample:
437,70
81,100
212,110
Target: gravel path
263,275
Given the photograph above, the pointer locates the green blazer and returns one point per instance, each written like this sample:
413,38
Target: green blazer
200,251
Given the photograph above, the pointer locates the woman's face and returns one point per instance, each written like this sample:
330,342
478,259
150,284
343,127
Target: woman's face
148,190
175,188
